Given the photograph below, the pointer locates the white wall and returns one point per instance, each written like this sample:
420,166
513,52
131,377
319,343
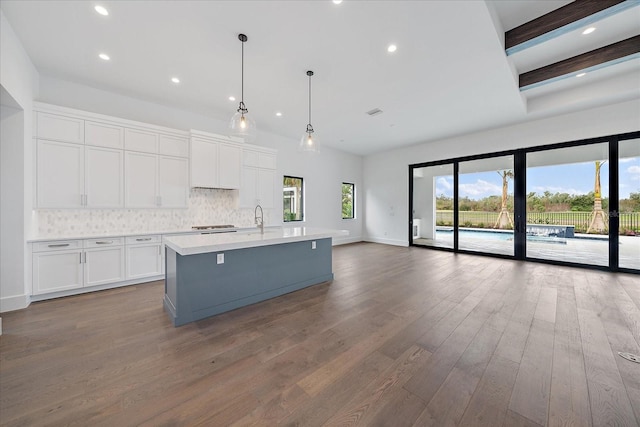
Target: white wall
323,173
386,174
19,86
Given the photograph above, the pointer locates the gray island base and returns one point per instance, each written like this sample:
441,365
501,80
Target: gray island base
197,287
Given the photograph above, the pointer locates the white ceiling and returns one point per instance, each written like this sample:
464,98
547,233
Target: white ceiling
449,76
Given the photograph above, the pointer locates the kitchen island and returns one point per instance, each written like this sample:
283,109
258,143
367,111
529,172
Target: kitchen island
213,273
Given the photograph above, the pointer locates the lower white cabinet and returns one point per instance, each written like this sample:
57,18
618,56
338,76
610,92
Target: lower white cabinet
103,261
144,256
57,270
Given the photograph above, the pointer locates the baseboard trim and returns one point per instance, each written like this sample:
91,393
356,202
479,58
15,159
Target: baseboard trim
16,302
346,240
392,242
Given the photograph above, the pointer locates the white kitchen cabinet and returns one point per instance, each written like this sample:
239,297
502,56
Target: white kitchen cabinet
59,128
204,160
258,178
229,166
104,177
104,262
144,256
173,182
59,174
215,163
103,135
173,146
141,178
57,269
139,140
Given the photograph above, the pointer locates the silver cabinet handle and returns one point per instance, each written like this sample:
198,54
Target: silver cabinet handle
104,242
143,239
80,257
59,245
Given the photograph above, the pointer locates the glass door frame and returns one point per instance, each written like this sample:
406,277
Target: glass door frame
520,208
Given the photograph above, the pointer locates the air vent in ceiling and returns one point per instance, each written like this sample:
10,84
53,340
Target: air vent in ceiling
374,112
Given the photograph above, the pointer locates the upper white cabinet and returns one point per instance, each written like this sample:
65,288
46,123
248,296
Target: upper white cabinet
258,177
216,161
173,182
173,146
89,160
204,159
59,128
104,177
59,174
141,178
137,140
104,135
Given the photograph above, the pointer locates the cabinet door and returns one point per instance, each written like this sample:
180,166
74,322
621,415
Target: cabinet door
104,177
104,265
138,140
173,182
229,166
60,128
266,187
57,271
143,261
103,135
140,180
173,146
204,164
59,175
249,189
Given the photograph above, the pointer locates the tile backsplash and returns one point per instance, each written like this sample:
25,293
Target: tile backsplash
205,207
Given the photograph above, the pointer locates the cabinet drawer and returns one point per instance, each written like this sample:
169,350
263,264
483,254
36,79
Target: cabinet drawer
60,128
173,146
137,140
57,245
98,243
103,135
136,240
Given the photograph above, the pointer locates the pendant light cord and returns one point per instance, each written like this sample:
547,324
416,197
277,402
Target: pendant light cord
242,76
309,99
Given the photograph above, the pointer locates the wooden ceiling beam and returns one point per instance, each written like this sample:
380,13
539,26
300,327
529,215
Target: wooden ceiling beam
556,19
612,52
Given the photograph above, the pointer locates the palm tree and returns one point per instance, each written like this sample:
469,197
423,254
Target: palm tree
503,218
599,221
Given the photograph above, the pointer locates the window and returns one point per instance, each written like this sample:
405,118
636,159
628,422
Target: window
293,199
348,196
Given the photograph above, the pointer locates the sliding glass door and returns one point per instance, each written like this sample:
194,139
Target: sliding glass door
629,203
485,205
432,213
567,204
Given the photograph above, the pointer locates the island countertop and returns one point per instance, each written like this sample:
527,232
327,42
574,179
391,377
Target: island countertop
204,243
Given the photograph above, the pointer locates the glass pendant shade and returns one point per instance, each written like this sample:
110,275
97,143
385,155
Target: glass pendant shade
242,126
309,142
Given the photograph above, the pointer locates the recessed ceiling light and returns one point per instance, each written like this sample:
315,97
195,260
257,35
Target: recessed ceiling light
392,48
337,1
589,30
175,79
101,10
104,56
232,98
581,74
279,114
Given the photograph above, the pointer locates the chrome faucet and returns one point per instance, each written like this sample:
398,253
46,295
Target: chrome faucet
261,223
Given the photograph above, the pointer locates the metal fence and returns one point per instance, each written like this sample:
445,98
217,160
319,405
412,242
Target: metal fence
628,221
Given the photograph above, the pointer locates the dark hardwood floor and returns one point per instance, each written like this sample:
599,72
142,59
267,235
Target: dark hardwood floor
401,337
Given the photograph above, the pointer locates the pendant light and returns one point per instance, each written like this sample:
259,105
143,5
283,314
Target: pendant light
242,125
308,141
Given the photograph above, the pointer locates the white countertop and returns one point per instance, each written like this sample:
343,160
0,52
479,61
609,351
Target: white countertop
106,235
204,243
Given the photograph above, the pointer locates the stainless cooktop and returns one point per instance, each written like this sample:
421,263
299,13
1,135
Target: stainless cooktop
211,227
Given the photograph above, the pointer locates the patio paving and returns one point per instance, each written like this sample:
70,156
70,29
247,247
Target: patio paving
591,251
